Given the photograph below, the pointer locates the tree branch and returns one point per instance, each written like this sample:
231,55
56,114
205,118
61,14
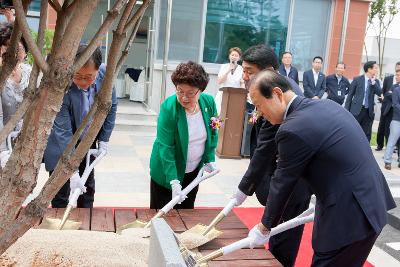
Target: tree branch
138,13
112,14
21,18
55,5
125,16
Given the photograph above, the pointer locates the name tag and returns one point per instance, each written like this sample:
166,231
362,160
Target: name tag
339,93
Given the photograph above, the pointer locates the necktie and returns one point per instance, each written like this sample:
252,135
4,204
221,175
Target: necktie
366,104
87,102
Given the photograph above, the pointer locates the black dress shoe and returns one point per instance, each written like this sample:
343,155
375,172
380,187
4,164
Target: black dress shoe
378,148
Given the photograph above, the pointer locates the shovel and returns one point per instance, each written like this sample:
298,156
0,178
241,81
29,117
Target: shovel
140,224
56,224
207,233
305,217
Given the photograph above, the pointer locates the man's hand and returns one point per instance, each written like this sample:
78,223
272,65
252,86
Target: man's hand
210,167
8,13
103,148
75,182
259,235
239,197
315,97
177,190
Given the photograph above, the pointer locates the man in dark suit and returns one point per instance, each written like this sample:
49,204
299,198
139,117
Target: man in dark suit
263,154
87,83
386,110
314,83
360,99
337,86
352,196
286,68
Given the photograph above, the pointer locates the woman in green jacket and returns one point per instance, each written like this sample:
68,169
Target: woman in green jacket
185,141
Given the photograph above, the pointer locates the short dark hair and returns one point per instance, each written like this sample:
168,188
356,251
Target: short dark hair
398,63
368,65
192,74
286,52
262,56
341,63
266,80
318,57
6,29
236,49
96,56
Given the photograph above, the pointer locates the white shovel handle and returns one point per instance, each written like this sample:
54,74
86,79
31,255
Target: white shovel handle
228,208
200,177
299,220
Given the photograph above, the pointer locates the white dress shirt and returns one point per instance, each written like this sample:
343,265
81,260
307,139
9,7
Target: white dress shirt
197,140
316,74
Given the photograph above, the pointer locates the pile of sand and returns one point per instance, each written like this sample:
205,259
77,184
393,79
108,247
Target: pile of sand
192,240
66,248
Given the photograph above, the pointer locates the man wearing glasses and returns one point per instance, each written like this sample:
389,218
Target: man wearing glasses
76,104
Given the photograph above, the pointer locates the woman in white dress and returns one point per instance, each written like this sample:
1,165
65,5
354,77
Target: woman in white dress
230,74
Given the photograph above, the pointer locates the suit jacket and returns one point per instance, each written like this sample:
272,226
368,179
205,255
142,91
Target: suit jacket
293,73
355,97
337,91
387,93
168,157
396,102
310,89
69,118
351,191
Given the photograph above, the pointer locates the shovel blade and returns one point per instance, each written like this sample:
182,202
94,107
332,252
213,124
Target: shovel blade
54,224
135,224
194,237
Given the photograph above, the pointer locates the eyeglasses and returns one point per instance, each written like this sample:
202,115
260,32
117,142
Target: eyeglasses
90,78
187,95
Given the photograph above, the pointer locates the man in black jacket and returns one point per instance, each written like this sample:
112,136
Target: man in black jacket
352,196
386,110
337,86
263,154
360,99
314,82
286,68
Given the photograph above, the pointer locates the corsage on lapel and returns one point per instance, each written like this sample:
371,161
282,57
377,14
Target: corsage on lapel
216,123
254,117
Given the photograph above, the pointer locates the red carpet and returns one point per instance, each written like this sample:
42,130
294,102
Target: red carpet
252,216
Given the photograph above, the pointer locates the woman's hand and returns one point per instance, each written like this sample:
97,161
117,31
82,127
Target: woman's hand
8,13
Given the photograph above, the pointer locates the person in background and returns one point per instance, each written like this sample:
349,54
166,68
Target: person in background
337,85
386,110
13,92
395,123
87,82
286,68
360,99
185,139
230,75
314,83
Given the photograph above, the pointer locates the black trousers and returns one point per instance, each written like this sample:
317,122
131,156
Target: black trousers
160,196
353,255
86,199
382,135
285,246
365,122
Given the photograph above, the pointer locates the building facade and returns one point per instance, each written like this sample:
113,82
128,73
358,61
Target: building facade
204,30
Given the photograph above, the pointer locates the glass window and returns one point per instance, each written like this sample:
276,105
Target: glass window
244,23
35,5
309,36
185,35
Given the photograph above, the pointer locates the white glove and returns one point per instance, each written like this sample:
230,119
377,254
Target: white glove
239,197
75,182
103,147
4,156
210,167
257,238
177,190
